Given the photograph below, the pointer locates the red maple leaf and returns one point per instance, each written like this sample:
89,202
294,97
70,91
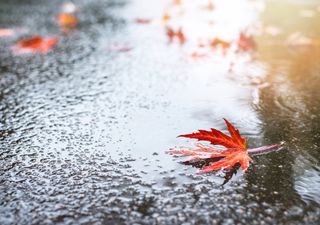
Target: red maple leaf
35,44
235,152
216,137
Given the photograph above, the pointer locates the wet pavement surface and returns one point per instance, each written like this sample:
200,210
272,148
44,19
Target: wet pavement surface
84,130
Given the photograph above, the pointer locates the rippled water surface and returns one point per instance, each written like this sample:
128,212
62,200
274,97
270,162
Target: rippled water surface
83,129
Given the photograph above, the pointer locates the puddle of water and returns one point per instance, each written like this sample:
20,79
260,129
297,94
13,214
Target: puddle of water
84,129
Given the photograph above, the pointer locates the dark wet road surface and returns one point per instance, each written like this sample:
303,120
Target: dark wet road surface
83,130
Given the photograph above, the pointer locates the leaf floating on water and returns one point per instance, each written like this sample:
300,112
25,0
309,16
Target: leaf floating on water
35,44
216,137
231,158
234,154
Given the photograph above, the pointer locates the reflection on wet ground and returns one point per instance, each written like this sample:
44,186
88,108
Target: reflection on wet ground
84,128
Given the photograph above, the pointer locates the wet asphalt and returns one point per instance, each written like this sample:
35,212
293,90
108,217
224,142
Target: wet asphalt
83,130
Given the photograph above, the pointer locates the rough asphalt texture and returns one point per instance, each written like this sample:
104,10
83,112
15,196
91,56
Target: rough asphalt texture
83,132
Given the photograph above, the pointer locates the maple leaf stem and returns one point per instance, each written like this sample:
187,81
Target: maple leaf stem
262,149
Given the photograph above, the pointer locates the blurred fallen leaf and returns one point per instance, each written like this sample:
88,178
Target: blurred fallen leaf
179,35
210,6
67,21
166,17
219,43
35,44
119,47
197,55
142,20
246,42
170,33
177,2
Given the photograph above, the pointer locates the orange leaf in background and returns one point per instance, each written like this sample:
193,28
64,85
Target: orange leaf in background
142,20
175,34
177,2
218,42
166,17
67,21
35,44
6,32
181,37
210,6
170,33
246,42
234,154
